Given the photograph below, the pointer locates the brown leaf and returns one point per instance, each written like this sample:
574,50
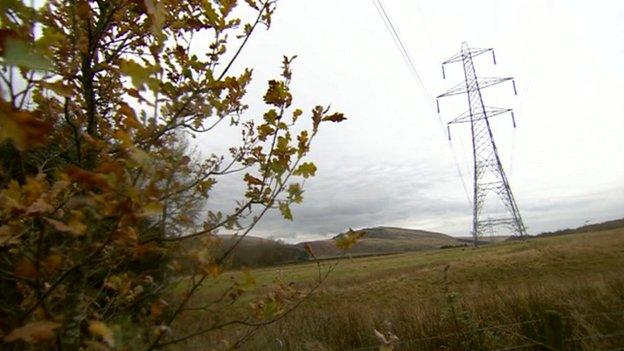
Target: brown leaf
38,207
251,180
100,329
23,128
25,269
74,226
277,94
33,332
157,307
336,117
308,249
52,263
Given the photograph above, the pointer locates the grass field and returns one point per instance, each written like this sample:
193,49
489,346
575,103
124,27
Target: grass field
562,292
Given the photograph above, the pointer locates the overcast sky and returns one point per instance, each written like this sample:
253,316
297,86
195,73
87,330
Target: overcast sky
390,163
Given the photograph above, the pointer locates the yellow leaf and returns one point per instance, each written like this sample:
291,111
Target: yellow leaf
33,332
139,156
74,226
59,88
23,128
100,329
126,235
140,75
152,208
348,239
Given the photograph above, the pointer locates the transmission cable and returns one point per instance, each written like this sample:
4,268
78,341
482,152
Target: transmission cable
386,19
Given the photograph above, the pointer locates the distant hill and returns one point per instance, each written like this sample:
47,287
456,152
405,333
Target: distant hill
613,224
383,240
256,252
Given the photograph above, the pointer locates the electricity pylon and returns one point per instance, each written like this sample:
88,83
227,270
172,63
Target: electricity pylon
489,176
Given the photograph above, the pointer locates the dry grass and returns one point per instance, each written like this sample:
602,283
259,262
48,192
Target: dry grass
495,297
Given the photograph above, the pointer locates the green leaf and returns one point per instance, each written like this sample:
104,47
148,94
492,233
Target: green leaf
17,52
285,210
306,169
295,194
153,208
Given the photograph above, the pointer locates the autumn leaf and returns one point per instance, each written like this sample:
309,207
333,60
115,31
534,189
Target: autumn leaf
278,94
52,263
140,75
317,116
25,269
336,117
157,12
153,208
130,119
157,307
348,239
33,332
75,226
251,180
210,269
302,145
97,328
295,193
126,235
17,52
308,249
38,207
296,114
59,88
24,128
252,3
306,170
285,210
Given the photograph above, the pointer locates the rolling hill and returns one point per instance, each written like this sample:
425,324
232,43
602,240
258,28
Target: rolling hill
384,240
256,252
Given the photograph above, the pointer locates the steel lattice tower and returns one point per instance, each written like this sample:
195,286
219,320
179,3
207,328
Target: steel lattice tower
489,176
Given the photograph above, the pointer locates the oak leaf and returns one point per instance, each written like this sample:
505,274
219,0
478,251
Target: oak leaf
336,117
348,239
25,269
97,328
33,332
306,170
285,210
24,128
277,94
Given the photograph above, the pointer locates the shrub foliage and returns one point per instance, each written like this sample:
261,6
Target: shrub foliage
98,187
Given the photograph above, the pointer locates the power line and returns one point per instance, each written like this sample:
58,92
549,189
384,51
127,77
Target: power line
400,45
385,17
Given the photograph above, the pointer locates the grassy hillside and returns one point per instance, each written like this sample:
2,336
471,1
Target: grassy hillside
382,240
512,295
258,252
614,224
